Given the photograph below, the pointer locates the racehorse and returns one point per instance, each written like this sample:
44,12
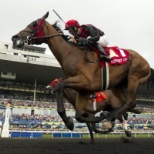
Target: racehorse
85,76
107,103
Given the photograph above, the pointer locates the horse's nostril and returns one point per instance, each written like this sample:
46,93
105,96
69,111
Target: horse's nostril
20,43
14,38
29,38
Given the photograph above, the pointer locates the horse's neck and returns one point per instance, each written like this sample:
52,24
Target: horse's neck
58,46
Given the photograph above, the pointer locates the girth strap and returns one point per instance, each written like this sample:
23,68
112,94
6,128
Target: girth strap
105,77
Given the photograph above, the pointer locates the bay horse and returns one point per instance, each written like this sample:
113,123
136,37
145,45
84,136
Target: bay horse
107,103
85,76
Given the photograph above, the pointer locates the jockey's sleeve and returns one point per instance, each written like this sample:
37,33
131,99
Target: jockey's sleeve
93,32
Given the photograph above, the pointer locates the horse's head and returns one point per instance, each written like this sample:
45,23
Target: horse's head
32,34
50,88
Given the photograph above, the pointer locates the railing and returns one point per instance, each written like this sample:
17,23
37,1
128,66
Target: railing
51,134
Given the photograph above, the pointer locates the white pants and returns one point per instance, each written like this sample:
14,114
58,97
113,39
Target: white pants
104,41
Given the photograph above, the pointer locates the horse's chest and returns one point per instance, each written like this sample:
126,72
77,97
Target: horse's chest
70,68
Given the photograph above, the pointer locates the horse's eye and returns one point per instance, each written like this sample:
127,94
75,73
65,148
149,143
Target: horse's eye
35,24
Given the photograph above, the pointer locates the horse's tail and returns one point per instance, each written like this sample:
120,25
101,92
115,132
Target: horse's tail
150,82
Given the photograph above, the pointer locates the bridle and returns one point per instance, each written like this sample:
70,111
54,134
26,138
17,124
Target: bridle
37,33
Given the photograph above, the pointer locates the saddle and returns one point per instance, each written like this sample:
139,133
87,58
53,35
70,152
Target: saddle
118,55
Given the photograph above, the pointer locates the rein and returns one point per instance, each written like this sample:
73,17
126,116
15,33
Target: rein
47,36
61,34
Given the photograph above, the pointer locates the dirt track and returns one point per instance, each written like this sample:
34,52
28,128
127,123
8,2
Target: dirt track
75,146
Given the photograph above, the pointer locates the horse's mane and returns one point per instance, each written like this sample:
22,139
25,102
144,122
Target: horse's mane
59,30
57,27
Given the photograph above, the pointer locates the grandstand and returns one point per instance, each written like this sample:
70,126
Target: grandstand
24,74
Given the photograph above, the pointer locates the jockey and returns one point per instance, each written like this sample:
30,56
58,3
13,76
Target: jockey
87,33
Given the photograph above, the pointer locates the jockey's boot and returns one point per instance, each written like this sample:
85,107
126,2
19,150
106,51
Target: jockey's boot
103,54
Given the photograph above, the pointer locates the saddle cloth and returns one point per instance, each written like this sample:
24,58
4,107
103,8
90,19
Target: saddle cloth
118,55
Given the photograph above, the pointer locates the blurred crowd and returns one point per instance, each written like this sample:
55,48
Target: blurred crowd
17,98
36,117
20,121
19,86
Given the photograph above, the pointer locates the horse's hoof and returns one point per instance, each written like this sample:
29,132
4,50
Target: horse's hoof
56,88
70,124
105,114
107,125
128,133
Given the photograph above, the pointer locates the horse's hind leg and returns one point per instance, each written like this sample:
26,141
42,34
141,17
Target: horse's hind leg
123,119
61,111
133,84
113,104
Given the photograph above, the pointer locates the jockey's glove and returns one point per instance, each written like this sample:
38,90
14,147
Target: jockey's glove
90,40
69,38
82,41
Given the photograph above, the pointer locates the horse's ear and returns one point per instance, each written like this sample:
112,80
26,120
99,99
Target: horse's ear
46,15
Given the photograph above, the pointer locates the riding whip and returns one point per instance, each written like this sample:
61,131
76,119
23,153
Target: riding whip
66,24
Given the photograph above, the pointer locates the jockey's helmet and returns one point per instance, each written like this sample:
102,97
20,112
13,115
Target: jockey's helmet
71,23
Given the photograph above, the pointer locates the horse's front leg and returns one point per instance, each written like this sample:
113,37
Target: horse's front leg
61,111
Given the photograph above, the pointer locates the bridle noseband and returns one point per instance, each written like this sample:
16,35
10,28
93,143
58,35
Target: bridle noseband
37,33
